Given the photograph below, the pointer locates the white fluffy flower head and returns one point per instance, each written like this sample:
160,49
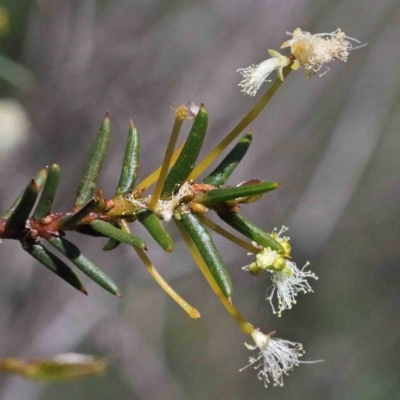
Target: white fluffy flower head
277,357
255,75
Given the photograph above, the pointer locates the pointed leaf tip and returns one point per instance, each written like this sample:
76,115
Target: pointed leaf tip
222,172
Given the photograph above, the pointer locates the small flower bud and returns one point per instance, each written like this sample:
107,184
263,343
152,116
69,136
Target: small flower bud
254,269
279,264
287,247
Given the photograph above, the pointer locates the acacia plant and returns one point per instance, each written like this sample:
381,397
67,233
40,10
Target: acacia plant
180,196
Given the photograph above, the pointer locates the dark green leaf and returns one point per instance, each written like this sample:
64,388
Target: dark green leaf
205,245
111,245
187,159
18,217
250,230
54,264
46,200
221,174
84,264
115,233
89,181
130,167
156,229
7,214
218,196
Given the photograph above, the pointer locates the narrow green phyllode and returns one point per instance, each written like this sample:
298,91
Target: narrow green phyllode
251,231
130,166
223,171
46,200
218,196
115,233
91,175
187,159
54,264
111,243
205,245
17,218
84,264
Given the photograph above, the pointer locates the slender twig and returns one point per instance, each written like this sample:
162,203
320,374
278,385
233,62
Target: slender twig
192,312
181,113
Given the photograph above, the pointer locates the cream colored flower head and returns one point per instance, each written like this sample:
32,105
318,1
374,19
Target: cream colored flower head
313,51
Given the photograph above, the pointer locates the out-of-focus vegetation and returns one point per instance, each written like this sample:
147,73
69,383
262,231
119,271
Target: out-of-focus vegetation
13,25
59,368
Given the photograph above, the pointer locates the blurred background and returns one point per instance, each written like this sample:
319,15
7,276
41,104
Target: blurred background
332,142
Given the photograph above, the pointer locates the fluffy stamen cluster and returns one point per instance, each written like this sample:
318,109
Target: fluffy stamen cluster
164,208
287,279
277,357
313,51
286,284
255,75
